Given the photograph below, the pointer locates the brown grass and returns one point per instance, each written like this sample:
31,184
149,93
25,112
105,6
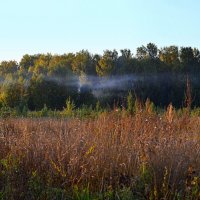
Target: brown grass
107,152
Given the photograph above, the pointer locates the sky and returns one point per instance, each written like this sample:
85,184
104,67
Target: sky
62,26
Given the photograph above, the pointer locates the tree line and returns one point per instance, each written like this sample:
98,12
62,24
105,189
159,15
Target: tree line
46,79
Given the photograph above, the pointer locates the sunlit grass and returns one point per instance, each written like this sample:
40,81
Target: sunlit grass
113,156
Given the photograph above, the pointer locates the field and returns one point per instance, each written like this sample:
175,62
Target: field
115,155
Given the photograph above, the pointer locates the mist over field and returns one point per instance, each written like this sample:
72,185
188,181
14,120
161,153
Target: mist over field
117,82
103,86
45,79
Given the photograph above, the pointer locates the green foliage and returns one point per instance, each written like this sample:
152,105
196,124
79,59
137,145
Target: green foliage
130,103
195,111
143,186
81,194
13,94
8,67
50,79
106,65
98,106
83,63
9,170
86,111
25,111
70,106
6,112
35,186
148,52
170,56
44,111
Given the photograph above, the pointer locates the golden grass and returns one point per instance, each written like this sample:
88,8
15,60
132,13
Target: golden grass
107,152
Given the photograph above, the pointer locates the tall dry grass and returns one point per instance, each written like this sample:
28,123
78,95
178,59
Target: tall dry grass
155,156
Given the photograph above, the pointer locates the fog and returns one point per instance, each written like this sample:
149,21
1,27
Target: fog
102,86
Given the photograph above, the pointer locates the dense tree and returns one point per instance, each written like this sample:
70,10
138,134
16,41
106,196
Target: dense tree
170,56
152,50
13,94
8,67
50,91
83,63
107,63
46,79
148,52
125,62
61,66
27,61
186,55
196,53
142,53
42,64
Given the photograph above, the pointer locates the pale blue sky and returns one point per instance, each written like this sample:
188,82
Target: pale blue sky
61,26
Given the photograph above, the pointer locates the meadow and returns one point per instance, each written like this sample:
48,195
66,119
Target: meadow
87,115
114,155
